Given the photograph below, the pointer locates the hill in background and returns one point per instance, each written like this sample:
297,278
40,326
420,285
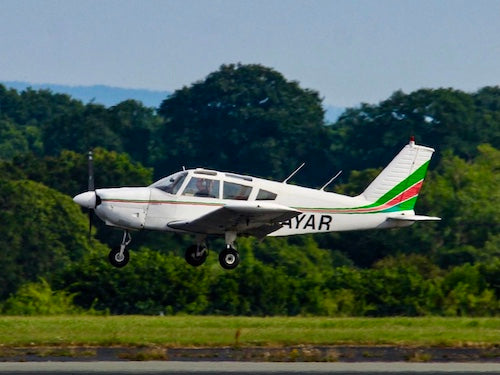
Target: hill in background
106,95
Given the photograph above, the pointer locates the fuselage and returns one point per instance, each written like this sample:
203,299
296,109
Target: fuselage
190,194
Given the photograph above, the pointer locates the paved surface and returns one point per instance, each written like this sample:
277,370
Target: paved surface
208,368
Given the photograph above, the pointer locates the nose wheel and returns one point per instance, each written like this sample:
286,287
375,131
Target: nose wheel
119,255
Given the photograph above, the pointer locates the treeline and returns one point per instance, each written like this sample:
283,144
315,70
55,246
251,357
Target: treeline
249,119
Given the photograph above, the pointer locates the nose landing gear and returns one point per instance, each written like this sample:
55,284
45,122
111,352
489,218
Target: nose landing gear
119,255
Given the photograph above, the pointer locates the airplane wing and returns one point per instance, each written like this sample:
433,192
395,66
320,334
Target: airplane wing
253,218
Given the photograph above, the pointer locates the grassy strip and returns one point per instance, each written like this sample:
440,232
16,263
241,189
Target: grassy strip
187,331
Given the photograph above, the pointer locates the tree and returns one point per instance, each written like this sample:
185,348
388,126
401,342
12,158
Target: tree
466,292
247,119
46,123
13,141
39,299
42,231
445,119
466,195
153,283
68,171
136,126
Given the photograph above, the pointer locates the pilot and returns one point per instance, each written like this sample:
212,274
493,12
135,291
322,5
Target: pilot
202,186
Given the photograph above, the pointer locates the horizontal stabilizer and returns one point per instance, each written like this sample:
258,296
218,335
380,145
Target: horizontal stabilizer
414,218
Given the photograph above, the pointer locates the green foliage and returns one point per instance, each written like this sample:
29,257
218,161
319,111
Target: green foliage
244,118
467,196
136,126
68,171
46,123
447,119
250,119
39,299
42,231
467,293
13,140
157,283
151,284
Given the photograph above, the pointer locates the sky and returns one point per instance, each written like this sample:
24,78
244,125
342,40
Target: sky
350,51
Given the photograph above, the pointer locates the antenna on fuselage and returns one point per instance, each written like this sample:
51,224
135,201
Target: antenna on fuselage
293,173
330,181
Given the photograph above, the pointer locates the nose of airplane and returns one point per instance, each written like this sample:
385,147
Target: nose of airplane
87,199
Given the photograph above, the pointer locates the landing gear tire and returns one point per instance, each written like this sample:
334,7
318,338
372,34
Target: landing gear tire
196,255
229,258
118,259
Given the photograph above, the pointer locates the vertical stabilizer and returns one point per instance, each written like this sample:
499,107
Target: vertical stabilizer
398,185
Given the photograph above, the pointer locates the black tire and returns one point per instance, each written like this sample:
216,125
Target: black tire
192,258
229,258
115,259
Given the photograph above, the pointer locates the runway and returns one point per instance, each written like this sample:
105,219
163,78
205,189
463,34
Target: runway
209,368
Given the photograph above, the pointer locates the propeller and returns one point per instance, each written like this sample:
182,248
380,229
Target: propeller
91,172
91,187
89,199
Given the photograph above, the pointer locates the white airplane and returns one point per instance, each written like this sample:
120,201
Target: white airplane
208,202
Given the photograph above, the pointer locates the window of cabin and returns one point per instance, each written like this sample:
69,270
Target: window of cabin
265,195
202,187
171,184
236,191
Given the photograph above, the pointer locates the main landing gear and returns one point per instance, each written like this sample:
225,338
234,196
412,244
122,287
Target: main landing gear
197,254
229,258
119,255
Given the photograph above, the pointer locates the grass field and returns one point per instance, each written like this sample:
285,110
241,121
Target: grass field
207,331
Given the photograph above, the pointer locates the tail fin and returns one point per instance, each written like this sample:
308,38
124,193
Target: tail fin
398,185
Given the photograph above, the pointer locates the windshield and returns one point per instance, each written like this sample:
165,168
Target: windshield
172,183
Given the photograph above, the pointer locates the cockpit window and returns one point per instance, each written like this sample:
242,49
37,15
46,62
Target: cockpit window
172,183
202,187
236,191
264,195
